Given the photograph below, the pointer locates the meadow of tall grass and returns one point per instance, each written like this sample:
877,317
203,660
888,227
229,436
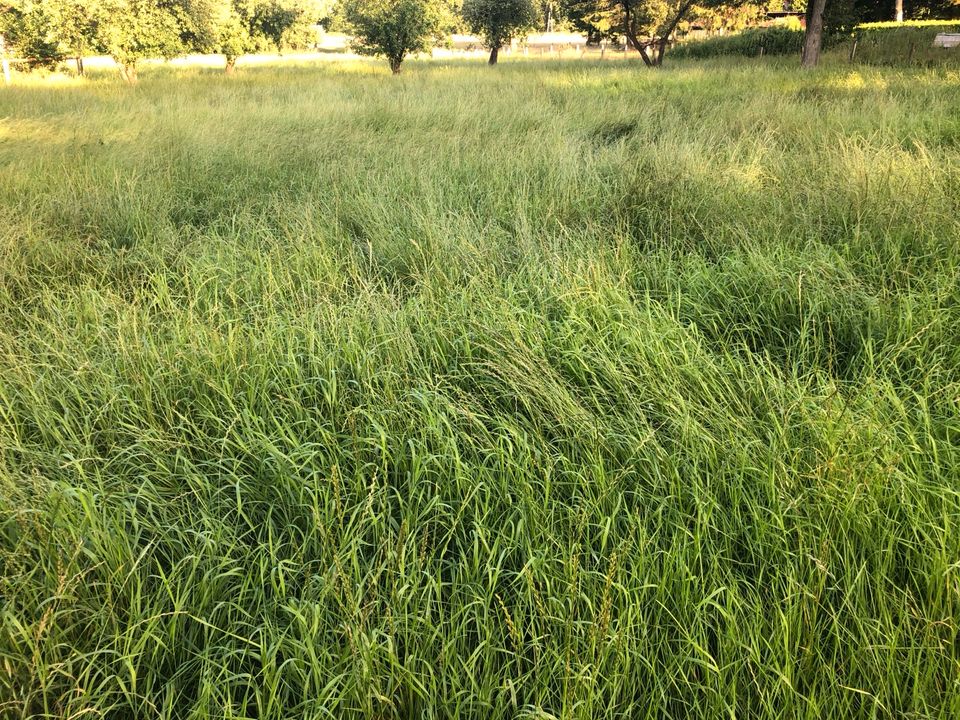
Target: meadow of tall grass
560,390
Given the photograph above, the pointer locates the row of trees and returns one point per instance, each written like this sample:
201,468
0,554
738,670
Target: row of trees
46,31
393,28
647,25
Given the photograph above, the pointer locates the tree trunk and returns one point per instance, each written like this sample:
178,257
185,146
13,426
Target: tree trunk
899,8
813,37
632,39
79,61
652,51
395,65
661,49
668,31
494,54
129,72
231,64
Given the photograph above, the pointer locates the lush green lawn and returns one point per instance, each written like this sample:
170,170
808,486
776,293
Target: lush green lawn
555,390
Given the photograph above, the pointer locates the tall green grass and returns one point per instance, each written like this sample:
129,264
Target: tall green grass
559,390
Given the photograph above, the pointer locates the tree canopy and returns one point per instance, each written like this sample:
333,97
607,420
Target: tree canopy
132,30
31,26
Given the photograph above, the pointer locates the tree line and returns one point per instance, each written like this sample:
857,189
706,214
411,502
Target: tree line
46,32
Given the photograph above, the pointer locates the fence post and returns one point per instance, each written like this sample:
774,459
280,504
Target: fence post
853,50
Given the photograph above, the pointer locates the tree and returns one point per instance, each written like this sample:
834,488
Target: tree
548,14
271,22
813,35
4,63
597,20
77,22
393,28
237,27
30,27
720,19
498,21
234,39
9,19
215,26
648,25
47,31
301,32
132,30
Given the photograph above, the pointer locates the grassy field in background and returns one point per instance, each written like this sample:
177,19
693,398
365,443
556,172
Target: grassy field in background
559,390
